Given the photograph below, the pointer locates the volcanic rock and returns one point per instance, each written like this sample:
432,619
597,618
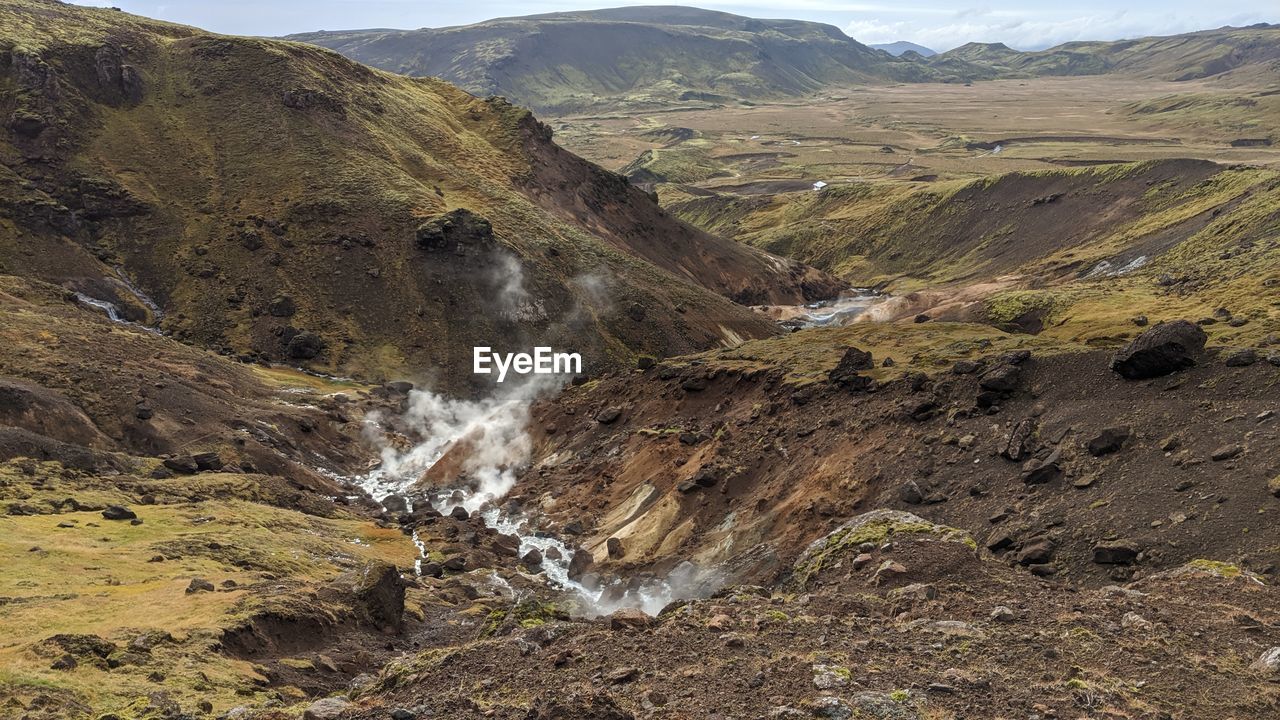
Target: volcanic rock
1108,441
1117,552
184,464
118,512
1164,349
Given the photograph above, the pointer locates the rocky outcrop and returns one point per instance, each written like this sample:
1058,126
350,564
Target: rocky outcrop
455,231
1164,349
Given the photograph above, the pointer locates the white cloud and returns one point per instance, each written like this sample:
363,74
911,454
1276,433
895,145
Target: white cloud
1033,32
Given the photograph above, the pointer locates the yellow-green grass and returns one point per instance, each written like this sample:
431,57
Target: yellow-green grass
807,356
97,578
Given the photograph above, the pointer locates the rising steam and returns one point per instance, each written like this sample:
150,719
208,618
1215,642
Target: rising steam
485,444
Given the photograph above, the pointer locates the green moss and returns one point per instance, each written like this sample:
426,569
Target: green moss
1215,567
840,542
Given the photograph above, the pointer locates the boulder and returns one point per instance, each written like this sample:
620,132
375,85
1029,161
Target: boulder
614,547
582,560
1242,358
208,461
1001,378
304,346
184,464
118,512
629,619
1227,452
845,372
378,591
1268,662
609,415
1164,349
395,503
1037,553
1116,552
330,708
199,585
1109,440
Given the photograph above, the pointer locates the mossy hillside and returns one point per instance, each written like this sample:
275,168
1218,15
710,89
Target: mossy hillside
1231,262
1226,118
1231,55
1208,228
266,168
808,356
654,57
956,230
117,581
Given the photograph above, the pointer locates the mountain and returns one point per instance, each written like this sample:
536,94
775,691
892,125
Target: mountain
634,56
896,49
1237,54
277,201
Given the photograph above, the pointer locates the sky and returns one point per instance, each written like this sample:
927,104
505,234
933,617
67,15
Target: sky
1025,25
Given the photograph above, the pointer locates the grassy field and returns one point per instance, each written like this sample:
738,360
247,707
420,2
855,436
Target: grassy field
1052,122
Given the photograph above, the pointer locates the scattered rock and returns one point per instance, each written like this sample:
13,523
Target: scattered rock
199,585
1001,378
379,591
629,619
1116,552
208,461
1242,358
184,464
1227,452
1268,662
845,373
330,708
614,547
1108,441
1164,349
118,512
304,346
1000,613
66,662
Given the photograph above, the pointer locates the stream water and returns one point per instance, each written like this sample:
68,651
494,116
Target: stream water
502,420
828,313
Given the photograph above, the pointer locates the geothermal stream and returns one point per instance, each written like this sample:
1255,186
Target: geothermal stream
112,310
827,313
496,427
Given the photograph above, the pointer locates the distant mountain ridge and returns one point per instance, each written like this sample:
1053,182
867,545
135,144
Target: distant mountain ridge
1245,53
897,49
638,57
634,56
